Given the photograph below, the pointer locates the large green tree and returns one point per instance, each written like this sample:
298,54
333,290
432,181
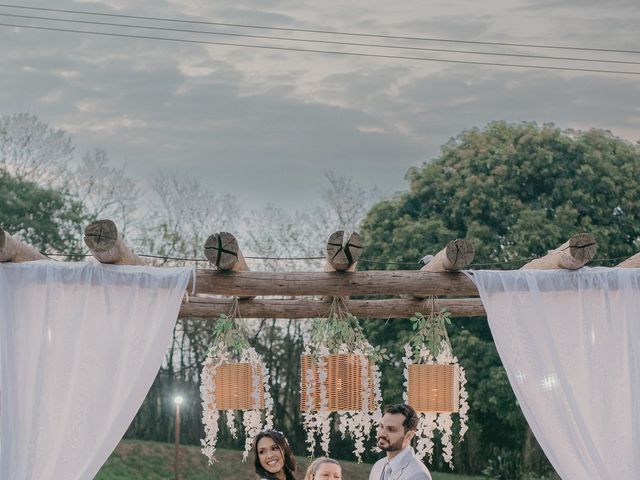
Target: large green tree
49,219
515,191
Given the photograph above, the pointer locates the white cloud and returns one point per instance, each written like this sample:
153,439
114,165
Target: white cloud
265,124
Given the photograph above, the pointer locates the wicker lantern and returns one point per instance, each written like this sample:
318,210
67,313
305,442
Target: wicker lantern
344,383
234,378
435,383
339,381
234,386
434,388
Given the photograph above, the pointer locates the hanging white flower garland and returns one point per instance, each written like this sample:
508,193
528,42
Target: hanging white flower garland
340,333
432,334
232,347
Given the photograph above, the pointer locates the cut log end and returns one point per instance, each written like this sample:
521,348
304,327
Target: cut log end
583,247
573,254
459,254
221,249
101,235
343,256
106,244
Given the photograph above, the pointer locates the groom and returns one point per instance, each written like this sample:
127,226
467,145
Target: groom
397,428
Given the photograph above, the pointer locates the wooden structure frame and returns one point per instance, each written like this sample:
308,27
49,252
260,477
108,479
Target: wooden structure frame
231,277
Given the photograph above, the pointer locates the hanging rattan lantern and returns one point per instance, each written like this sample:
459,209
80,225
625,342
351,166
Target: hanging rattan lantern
344,384
234,386
434,388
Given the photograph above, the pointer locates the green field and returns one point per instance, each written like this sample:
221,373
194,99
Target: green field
137,460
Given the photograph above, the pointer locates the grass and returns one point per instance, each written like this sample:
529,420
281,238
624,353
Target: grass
138,460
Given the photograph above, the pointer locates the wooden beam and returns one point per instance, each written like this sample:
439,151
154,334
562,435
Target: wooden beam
333,284
631,262
571,255
342,256
105,242
12,250
306,308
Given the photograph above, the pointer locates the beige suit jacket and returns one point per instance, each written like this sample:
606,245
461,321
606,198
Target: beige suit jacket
410,468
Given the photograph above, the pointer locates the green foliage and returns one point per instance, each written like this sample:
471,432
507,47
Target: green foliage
228,332
515,191
45,218
430,331
341,328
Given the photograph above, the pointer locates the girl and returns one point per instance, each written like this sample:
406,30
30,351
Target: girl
273,458
324,468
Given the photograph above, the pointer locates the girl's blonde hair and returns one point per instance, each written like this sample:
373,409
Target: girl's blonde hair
315,465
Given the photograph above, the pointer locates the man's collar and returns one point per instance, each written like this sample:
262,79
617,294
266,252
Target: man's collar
401,458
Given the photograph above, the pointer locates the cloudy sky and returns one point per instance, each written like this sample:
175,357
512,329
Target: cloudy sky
264,124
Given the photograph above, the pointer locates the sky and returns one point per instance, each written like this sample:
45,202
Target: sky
265,124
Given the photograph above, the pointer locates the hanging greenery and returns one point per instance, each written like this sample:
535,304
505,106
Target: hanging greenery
434,382
234,377
339,378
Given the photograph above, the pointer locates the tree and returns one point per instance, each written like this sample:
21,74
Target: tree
48,219
31,150
514,191
106,191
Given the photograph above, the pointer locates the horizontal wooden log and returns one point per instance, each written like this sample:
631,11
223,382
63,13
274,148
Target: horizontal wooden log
575,253
333,284
306,308
106,244
631,262
12,250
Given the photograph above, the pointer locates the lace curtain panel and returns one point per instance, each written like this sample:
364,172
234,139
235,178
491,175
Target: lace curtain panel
80,345
570,343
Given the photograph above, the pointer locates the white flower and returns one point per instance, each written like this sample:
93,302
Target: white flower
430,422
251,419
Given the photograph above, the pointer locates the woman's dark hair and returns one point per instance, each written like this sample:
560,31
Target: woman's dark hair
279,439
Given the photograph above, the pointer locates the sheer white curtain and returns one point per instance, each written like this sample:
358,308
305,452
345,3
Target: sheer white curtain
80,345
570,342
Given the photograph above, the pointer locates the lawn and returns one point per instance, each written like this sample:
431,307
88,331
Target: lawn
138,460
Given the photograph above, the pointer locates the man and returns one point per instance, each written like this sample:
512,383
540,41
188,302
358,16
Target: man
397,428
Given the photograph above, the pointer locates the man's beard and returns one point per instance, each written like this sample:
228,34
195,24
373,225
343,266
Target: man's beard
392,447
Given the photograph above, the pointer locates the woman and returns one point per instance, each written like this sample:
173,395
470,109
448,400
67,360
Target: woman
324,468
273,457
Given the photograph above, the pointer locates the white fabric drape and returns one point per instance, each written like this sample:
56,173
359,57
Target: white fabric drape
570,343
80,345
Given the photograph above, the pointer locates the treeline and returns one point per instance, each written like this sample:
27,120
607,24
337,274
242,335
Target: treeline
515,191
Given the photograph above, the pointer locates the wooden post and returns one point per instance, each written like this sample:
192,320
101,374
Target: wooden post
631,262
222,250
12,250
343,256
104,240
571,255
